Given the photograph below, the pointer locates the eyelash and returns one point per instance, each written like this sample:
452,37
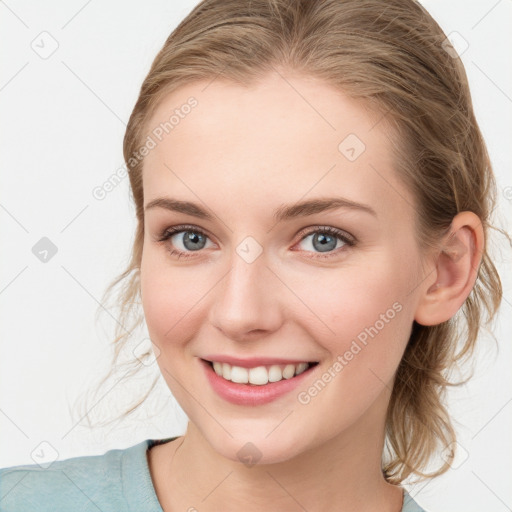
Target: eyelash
344,237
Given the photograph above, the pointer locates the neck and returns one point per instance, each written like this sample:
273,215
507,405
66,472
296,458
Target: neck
343,474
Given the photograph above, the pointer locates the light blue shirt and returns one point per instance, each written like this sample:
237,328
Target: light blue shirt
119,480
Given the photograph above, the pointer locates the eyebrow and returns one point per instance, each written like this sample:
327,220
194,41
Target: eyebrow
284,212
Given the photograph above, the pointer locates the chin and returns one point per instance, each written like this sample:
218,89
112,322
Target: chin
253,450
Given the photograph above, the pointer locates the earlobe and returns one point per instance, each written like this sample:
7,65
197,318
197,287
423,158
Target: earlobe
456,270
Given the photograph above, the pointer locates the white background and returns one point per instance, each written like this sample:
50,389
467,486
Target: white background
63,119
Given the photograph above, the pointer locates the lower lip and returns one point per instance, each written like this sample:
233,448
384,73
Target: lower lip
251,394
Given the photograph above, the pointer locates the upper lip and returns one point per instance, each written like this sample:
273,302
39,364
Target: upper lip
252,362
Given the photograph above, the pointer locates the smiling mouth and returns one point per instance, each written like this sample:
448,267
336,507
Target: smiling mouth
259,375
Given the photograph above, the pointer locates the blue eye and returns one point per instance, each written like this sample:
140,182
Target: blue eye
192,239
325,240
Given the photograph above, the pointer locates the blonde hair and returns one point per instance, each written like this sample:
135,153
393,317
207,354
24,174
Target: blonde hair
392,55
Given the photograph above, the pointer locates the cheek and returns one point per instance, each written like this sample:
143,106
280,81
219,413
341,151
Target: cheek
351,299
369,317
363,315
168,298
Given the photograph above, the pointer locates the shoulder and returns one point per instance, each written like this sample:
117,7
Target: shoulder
80,483
410,505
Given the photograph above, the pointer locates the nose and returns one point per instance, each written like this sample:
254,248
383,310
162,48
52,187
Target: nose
247,302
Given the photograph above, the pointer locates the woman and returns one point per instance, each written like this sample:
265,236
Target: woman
313,198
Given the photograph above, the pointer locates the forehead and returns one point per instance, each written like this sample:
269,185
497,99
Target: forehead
283,138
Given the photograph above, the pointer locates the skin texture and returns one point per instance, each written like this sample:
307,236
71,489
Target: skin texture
241,153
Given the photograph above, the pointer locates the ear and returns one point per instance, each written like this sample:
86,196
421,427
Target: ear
455,272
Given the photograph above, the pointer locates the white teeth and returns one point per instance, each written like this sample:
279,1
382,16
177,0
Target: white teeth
275,373
289,371
301,367
260,375
226,371
239,374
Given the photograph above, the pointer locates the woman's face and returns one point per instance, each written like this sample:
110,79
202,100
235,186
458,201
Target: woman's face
251,279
